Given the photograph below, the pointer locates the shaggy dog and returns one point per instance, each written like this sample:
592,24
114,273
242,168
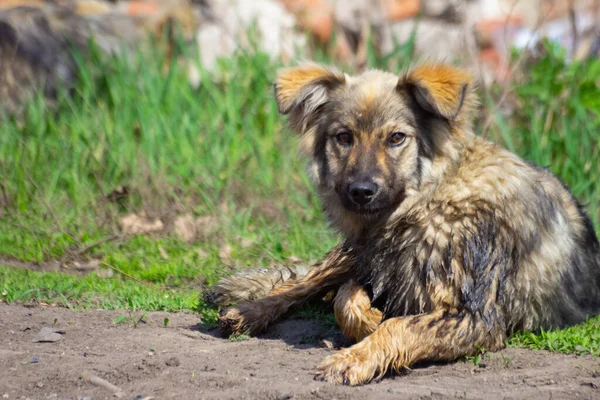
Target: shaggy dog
451,243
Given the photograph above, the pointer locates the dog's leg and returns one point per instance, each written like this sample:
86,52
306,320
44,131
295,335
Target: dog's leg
353,312
254,317
401,342
252,285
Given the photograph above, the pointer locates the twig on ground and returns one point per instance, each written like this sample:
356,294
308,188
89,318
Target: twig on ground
93,379
148,284
95,244
574,31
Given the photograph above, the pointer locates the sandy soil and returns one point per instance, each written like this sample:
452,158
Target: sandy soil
185,361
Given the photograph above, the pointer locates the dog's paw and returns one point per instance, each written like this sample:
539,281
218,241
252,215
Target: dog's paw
232,321
246,318
346,367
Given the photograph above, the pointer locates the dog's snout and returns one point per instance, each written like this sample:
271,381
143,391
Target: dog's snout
362,192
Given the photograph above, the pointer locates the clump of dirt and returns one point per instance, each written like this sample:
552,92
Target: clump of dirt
185,360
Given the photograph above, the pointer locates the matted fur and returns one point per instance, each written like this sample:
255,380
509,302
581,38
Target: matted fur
460,244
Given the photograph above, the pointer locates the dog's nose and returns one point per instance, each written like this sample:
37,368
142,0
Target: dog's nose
362,192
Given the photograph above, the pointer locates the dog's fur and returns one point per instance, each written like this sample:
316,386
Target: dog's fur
462,243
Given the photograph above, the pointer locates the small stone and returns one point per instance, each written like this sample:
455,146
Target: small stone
48,335
173,362
284,396
39,385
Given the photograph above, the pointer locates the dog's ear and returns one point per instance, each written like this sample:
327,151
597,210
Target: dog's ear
300,91
439,88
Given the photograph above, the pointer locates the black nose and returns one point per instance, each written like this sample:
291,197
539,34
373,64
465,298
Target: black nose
362,192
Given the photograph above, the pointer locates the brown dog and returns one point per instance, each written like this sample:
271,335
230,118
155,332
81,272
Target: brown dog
457,241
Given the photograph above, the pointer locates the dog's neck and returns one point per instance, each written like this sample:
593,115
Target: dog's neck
435,171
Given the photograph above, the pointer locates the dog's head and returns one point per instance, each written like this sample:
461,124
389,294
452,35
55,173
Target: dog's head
373,137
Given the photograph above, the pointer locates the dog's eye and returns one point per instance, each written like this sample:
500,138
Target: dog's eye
396,139
344,138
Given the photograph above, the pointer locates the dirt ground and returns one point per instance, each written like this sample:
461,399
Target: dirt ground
183,360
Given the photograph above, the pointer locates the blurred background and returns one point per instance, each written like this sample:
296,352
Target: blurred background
141,152
479,33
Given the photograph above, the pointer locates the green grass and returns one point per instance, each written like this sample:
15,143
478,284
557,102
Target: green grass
91,291
222,150
579,339
556,122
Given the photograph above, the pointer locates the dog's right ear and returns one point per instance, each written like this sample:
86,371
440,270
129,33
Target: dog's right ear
301,90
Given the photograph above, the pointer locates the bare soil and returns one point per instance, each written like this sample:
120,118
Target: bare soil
184,360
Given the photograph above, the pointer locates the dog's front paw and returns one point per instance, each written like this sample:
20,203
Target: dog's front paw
346,367
232,320
243,319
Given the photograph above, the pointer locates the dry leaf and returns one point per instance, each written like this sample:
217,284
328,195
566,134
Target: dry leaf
225,253
86,266
163,253
245,243
327,343
294,259
206,225
105,273
134,224
184,226
189,228
201,253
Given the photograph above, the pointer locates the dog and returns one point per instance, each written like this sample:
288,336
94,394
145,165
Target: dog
450,242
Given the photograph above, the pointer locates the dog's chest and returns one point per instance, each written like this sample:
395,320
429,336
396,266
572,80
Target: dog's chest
407,274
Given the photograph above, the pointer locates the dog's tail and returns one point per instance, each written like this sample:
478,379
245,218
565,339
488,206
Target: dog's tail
252,285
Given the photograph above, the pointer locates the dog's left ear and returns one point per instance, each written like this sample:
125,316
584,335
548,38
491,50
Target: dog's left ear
439,88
